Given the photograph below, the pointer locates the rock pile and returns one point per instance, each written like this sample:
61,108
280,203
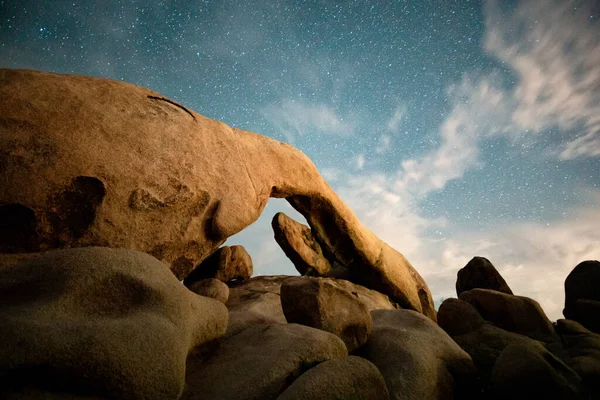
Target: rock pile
113,194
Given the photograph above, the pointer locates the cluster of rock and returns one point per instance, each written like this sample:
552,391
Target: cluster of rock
112,195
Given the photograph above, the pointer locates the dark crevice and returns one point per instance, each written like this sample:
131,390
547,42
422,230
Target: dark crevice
173,103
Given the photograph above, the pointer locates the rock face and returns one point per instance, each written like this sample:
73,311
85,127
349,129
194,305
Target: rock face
211,287
582,297
260,362
102,322
226,264
318,303
417,358
529,371
480,273
583,349
91,161
350,378
512,313
300,246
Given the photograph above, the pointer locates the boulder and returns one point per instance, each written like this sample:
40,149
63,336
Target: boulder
211,287
350,378
91,161
226,264
583,349
318,303
417,358
512,313
259,362
458,317
255,301
480,273
99,322
582,297
300,246
529,371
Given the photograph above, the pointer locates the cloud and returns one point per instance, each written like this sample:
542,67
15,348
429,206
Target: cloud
553,46
360,161
478,111
294,119
393,124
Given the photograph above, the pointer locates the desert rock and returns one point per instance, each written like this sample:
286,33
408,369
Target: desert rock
318,303
226,264
417,358
517,314
91,161
211,287
259,362
102,322
350,378
480,273
299,245
582,297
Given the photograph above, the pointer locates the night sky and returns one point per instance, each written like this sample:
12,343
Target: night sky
452,128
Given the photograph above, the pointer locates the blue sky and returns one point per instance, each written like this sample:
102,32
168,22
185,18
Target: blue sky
452,128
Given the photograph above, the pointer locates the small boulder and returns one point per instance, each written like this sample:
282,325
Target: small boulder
529,371
212,288
513,313
417,358
226,264
255,301
300,246
458,317
350,378
480,273
582,297
99,323
318,303
259,362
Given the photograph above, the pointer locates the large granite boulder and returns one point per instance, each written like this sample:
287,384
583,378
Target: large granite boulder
300,246
91,161
350,378
319,303
480,273
226,264
582,297
516,314
529,371
99,323
417,358
259,362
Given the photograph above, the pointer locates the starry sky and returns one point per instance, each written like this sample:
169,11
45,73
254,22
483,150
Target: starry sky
452,128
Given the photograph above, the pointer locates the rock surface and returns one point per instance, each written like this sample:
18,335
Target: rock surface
480,273
350,378
417,358
318,303
300,246
582,297
258,300
99,322
226,264
512,313
212,288
259,362
92,161
529,371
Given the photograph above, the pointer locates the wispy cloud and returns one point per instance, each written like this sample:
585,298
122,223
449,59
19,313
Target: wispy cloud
553,46
295,118
395,121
